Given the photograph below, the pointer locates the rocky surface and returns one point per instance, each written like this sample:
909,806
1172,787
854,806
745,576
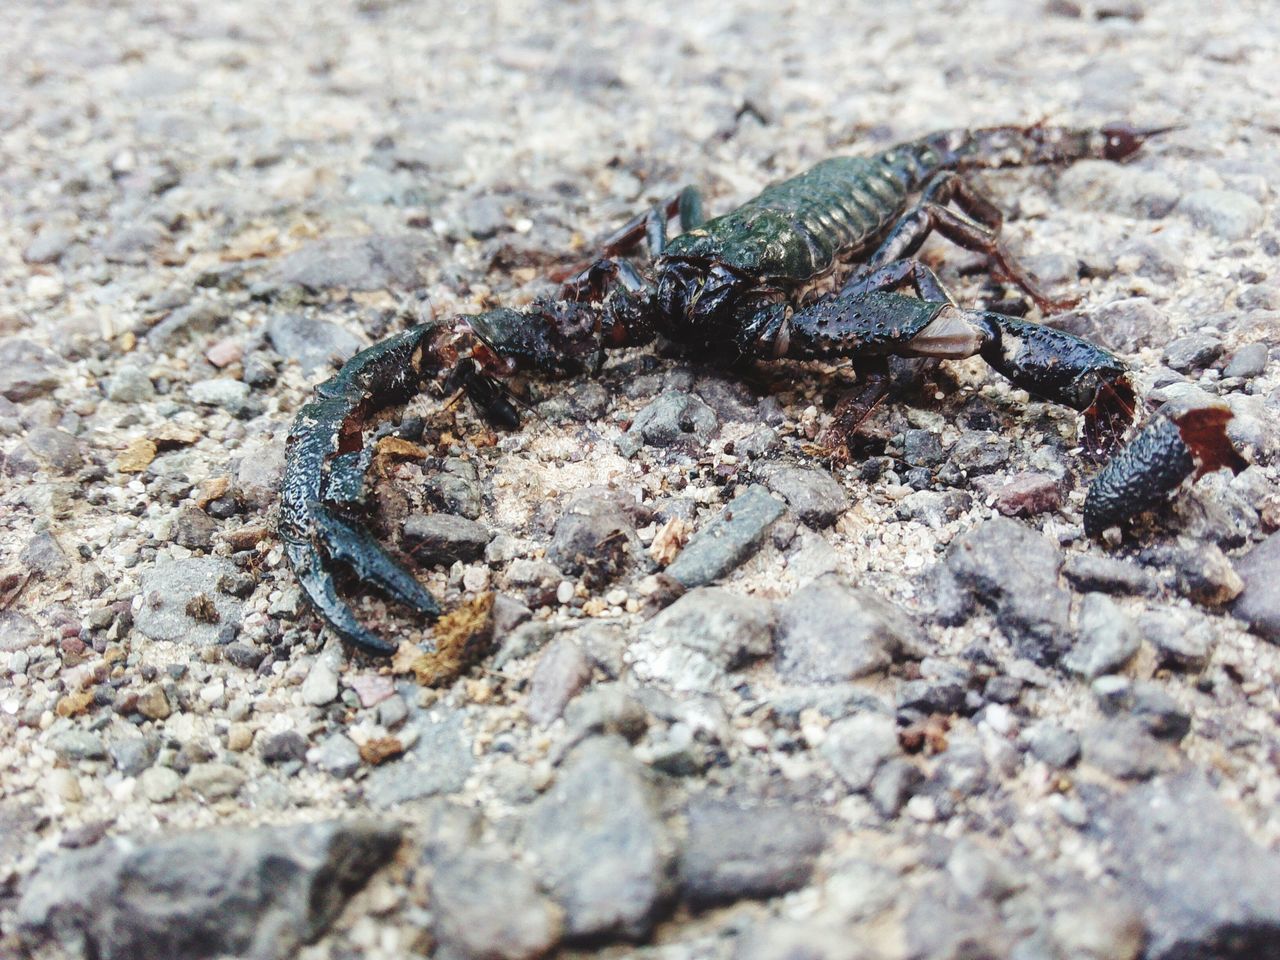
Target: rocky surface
747,699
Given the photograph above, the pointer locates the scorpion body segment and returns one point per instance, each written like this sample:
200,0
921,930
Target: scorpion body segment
810,268
1179,441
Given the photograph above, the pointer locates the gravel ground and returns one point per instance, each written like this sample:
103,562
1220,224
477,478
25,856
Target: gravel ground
894,708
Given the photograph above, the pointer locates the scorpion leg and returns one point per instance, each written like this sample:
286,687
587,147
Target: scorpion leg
1049,363
975,227
649,226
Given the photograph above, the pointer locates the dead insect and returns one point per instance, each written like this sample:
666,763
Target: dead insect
808,269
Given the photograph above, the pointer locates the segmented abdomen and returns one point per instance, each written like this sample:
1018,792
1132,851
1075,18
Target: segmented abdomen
800,228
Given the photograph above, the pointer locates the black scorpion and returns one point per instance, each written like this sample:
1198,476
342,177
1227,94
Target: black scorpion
808,269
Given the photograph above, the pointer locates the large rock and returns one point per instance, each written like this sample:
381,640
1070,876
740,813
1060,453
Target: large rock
1259,604
706,632
258,893
181,600
729,540
601,847
313,343
27,369
1014,571
1205,888
829,632
488,905
813,494
736,850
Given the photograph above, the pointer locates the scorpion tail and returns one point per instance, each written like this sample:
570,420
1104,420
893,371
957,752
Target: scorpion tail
990,148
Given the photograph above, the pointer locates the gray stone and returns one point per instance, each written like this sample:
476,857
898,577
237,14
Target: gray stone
438,763
247,892
17,631
1124,325
1156,709
725,543
1107,638
829,632
181,600
922,448
812,493
133,754
1124,749
219,392
1179,641
27,370
1094,185
336,755
357,263
1089,572
1053,744
1228,214
74,744
213,781
130,384
312,343
1248,362
48,245
457,488
673,419
159,784
260,471
190,320
1014,570
193,528
562,670
1193,352
445,538
1205,575
1204,887
600,844
1259,603
133,243
979,452
321,685
856,747
706,632
735,850
596,536
894,784
487,905
282,747
57,450
483,217
43,555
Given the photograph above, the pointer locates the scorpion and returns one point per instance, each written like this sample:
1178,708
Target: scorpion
814,267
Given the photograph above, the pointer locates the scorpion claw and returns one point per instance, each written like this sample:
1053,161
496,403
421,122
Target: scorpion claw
372,564
1180,441
318,585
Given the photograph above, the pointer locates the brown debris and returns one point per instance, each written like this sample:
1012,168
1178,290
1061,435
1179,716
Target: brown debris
375,751
462,638
137,456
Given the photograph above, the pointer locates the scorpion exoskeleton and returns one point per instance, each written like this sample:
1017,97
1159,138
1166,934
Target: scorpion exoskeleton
808,269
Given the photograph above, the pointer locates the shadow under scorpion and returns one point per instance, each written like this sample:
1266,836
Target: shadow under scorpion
809,269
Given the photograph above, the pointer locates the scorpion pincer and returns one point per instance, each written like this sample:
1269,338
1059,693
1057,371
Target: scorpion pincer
326,456
810,268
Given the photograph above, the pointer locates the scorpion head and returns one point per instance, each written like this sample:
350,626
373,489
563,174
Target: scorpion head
705,302
554,338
